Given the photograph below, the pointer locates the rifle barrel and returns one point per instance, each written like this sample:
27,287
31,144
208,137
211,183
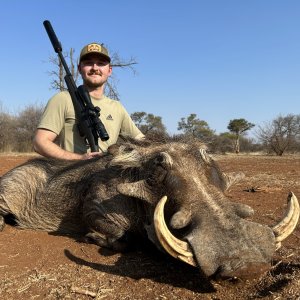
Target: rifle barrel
52,36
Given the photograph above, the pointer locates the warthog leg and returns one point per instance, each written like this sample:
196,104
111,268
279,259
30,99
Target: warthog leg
103,241
106,231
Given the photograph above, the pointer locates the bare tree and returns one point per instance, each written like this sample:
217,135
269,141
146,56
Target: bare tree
280,134
58,74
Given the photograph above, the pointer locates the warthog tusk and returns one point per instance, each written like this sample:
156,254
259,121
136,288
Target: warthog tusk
174,246
287,225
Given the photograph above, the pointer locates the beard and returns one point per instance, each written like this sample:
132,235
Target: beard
94,84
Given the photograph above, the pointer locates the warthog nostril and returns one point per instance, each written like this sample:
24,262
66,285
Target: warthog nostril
244,271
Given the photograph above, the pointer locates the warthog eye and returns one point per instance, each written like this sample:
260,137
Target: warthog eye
159,159
164,160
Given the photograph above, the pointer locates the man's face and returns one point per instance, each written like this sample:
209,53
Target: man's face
94,70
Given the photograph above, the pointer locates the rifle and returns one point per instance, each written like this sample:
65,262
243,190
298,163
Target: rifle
90,126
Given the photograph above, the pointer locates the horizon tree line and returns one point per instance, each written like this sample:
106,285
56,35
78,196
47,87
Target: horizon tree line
278,136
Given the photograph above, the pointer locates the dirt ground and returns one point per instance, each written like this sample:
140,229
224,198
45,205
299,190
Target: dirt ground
38,265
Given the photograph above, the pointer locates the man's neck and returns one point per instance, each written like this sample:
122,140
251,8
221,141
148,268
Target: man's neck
97,92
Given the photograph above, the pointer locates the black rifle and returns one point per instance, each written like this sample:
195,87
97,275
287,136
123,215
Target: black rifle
90,126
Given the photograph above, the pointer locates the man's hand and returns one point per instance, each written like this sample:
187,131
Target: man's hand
91,155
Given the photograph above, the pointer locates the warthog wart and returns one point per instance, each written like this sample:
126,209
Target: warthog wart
171,193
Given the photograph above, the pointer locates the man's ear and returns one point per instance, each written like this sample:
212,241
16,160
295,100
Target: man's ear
110,69
79,68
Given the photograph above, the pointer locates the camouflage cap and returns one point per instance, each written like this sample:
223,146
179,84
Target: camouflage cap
94,48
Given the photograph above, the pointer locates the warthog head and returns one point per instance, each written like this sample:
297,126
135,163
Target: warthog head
193,220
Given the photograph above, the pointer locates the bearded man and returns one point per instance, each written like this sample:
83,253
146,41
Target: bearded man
57,134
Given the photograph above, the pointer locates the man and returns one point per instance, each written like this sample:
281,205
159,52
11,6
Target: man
58,120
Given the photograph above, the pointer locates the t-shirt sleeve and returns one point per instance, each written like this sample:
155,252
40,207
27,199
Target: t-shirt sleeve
53,117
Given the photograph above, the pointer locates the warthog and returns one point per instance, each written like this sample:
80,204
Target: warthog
171,193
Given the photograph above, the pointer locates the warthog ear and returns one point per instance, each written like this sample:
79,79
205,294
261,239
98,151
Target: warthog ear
231,178
139,189
224,180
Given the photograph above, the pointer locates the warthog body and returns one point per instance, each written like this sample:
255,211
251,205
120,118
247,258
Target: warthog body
109,198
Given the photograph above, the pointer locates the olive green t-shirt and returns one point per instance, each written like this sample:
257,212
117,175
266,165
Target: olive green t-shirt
59,117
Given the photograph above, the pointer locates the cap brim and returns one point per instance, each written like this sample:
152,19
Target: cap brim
107,58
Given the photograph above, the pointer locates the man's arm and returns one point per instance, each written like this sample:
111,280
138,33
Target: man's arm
43,144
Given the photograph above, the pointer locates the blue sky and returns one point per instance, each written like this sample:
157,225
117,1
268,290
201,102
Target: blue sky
219,59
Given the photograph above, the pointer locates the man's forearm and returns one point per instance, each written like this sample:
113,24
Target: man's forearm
50,149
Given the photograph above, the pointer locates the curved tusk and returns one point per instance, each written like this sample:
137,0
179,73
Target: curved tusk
287,225
175,247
